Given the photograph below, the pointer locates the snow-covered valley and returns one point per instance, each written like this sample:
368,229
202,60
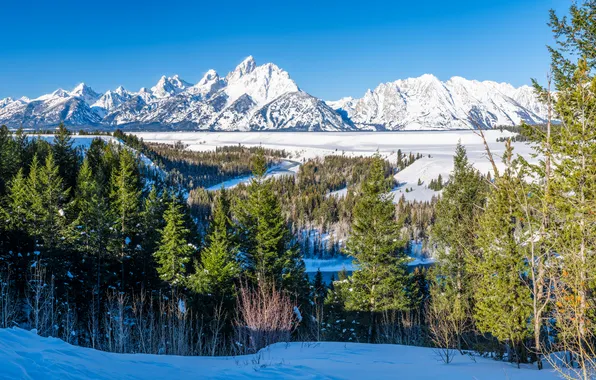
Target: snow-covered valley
25,355
436,148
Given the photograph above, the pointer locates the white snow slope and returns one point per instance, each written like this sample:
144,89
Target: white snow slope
24,355
264,97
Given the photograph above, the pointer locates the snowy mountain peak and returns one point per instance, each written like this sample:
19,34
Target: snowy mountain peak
6,101
168,86
209,76
86,93
245,67
60,93
120,90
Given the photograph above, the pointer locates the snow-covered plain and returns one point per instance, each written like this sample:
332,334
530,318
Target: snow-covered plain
436,147
24,355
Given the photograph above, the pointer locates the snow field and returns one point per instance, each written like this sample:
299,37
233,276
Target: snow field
25,355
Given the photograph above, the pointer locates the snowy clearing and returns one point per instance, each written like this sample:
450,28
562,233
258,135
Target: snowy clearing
24,355
440,145
286,167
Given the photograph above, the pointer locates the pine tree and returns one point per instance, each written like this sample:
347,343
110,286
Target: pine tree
49,203
18,213
381,281
125,200
269,254
65,156
8,158
152,222
217,270
503,303
93,221
454,233
174,252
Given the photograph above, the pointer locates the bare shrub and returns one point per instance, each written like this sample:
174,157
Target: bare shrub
443,328
265,316
8,300
398,327
40,301
117,328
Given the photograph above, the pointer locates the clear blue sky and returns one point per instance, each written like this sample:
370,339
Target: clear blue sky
330,48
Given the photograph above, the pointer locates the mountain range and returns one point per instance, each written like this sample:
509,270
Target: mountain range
265,98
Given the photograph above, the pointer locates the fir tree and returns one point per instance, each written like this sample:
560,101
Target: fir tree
217,270
174,252
65,156
18,213
268,252
152,222
9,159
381,281
125,200
93,221
454,233
503,303
49,203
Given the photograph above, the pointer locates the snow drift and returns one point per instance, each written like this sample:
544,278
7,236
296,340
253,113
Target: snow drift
24,355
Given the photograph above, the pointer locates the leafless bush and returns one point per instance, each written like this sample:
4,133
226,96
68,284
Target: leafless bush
8,300
396,327
210,338
443,329
265,316
117,328
40,301
68,323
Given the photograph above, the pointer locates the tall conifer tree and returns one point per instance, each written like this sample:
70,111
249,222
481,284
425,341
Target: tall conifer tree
381,282
174,252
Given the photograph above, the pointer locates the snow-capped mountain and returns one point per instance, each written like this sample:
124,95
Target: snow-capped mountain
264,97
427,103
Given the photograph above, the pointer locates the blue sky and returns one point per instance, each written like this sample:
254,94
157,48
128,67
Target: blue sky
330,48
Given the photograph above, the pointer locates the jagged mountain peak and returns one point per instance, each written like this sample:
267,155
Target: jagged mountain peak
245,67
85,92
120,90
209,76
168,86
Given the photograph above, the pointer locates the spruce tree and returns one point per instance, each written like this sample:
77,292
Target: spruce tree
9,159
454,234
94,218
268,252
65,156
174,252
125,201
375,243
217,270
503,303
17,213
49,203
152,222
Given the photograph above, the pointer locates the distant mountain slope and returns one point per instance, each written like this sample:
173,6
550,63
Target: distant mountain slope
426,103
264,97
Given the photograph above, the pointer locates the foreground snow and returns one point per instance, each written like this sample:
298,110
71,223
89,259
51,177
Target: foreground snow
24,355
